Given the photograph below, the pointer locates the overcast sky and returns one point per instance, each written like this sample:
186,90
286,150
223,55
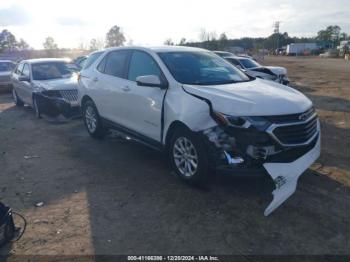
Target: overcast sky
150,22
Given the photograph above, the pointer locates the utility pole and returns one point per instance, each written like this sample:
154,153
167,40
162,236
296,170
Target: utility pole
276,30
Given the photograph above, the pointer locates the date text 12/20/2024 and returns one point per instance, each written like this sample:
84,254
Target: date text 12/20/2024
173,258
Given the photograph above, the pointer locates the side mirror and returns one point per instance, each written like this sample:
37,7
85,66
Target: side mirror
150,80
239,67
24,78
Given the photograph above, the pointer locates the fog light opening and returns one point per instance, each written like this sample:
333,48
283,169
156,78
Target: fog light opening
233,160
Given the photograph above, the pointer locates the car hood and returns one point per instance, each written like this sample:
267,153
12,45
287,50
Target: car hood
254,98
277,70
58,84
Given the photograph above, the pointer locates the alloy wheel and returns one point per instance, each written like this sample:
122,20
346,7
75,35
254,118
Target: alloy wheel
185,156
91,119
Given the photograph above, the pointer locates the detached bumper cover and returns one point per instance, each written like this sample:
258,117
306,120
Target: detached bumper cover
286,175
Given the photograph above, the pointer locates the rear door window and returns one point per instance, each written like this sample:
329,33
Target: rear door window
116,63
91,59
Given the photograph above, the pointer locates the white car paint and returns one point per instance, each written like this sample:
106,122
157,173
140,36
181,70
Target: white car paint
286,176
254,98
140,108
278,70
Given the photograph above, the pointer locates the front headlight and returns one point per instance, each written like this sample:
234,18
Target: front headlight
258,122
241,121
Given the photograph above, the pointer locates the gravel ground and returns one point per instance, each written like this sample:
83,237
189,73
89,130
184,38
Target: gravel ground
118,197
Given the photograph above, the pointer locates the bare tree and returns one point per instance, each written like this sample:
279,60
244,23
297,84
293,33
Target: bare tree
93,44
22,45
168,42
8,41
115,37
50,44
203,35
182,41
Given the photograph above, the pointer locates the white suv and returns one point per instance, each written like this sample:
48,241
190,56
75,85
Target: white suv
203,112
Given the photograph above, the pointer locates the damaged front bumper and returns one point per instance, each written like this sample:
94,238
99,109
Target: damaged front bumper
252,151
286,175
53,104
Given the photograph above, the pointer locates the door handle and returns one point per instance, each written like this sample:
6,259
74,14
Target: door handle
95,79
126,88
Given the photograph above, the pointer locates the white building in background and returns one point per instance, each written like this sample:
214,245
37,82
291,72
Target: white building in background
301,48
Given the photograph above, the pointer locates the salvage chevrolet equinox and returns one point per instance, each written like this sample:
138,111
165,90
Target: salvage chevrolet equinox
203,112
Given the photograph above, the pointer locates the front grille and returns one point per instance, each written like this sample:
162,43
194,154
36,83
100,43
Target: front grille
290,118
296,133
69,95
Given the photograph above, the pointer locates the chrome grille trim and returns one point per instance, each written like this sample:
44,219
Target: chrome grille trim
69,95
271,129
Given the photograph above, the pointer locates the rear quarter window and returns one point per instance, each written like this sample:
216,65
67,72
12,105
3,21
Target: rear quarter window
91,59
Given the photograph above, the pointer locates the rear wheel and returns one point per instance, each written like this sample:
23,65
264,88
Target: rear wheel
92,120
188,157
16,99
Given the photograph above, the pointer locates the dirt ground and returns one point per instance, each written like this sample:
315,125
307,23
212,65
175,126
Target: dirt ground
119,197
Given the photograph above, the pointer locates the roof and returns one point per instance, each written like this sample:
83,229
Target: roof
41,60
233,56
6,61
176,49
161,48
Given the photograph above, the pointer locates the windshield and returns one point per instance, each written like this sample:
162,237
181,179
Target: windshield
249,63
201,68
51,70
6,66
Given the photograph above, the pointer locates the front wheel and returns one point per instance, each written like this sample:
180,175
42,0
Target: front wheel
36,108
16,99
188,157
92,120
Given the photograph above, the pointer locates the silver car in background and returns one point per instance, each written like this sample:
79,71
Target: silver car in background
6,67
48,85
254,69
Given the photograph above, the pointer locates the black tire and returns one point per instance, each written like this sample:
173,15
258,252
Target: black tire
198,176
36,108
16,99
89,113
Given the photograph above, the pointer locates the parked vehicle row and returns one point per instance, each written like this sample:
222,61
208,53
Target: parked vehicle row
190,103
251,67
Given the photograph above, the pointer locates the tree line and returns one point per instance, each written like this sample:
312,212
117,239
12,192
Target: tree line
328,38
8,42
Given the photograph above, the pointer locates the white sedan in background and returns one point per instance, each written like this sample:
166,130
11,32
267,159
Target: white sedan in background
6,67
